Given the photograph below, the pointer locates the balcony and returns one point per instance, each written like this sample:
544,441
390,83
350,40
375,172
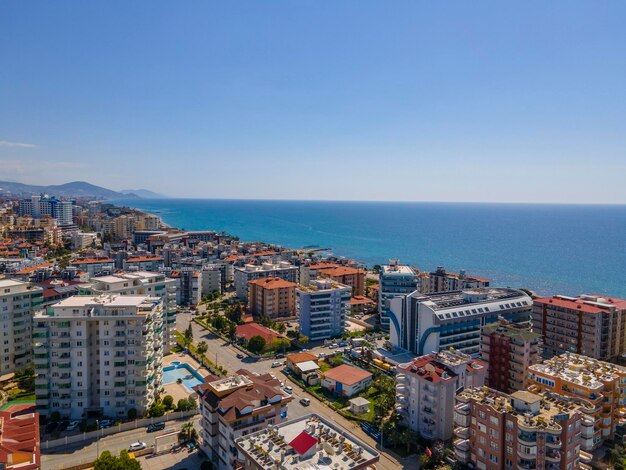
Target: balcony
463,409
552,441
553,456
528,439
461,432
462,444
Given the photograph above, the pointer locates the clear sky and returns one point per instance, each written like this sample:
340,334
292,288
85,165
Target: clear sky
408,100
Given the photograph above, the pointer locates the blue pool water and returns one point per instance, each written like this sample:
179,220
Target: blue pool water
177,371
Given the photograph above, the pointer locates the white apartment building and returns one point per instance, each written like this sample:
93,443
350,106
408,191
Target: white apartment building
252,272
394,280
426,388
422,323
98,355
18,303
211,279
236,406
141,283
321,308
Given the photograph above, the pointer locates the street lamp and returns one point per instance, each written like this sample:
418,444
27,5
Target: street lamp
97,439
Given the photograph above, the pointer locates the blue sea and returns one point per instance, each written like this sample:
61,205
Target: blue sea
566,249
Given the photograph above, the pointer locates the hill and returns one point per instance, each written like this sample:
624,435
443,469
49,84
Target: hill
144,193
79,189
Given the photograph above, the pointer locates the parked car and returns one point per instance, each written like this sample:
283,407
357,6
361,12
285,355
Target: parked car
155,427
73,426
279,356
135,446
342,344
321,355
277,364
288,389
105,423
305,401
240,356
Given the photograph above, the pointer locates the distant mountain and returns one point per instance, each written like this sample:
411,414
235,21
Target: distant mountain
144,193
79,189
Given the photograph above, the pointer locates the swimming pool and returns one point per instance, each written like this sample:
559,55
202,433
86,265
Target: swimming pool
183,371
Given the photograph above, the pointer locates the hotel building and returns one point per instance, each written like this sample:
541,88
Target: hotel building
394,280
19,301
443,281
98,355
237,406
423,323
322,308
599,385
588,324
518,431
509,349
426,387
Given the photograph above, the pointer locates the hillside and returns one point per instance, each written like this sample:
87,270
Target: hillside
79,189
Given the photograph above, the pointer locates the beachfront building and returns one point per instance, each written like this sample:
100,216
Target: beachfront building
509,349
518,431
19,301
251,272
394,279
141,283
424,323
98,355
590,325
38,206
322,307
272,297
308,442
600,385
426,387
237,406
443,281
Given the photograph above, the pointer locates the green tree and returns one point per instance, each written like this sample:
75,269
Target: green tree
202,348
188,336
185,404
168,402
156,409
219,322
281,327
256,344
376,268
107,461
235,313
280,344
187,432
303,339
132,414
231,331
25,379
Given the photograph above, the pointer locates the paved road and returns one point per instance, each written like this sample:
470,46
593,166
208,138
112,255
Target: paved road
226,357
76,454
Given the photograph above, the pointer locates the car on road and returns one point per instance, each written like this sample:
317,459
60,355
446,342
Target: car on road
135,446
279,356
277,364
305,401
332,346
105,423
155,427
288,389
240,356
321,355
73,426
342,344
304,350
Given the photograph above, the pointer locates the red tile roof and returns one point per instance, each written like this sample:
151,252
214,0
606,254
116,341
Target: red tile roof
137,259
347,375
360,300
303,443
249,330
342,271
19,437
580,304
31,269
273,283
92,261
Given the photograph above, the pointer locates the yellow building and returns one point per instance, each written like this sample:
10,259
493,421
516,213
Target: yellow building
600,386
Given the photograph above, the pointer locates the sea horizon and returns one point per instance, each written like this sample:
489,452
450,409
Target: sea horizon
550,248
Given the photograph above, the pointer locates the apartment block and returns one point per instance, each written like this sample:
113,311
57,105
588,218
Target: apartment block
141,283
518,431
237,406
19,301
424,323
590,325
509,349
348,276
188,286
308,442
272,297
394,280
599,386
251,272
94,266
322,308
443,281
426,387
99,355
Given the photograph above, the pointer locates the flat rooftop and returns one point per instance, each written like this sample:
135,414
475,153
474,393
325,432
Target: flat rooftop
5,283
399,270
230,383
581,370
107,300
307,443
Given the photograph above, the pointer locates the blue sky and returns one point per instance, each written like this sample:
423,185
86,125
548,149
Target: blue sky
411,100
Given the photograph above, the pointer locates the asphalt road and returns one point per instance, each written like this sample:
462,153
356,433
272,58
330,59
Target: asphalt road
226,356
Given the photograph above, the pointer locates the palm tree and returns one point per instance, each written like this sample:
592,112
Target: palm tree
202,348
186,432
